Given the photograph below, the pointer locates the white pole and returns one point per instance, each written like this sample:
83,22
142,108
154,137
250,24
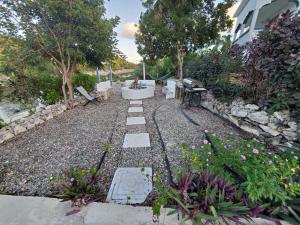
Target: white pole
144,71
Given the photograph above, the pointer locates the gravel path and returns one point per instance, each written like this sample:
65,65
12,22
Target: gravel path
73,139
76,139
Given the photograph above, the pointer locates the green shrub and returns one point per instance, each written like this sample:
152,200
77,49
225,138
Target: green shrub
280,101
52,96
85,80
213,67
47,86
224,91
161,67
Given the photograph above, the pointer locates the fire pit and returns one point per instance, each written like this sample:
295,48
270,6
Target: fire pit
137,91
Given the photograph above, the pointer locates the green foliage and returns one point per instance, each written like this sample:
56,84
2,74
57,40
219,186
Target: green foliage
225,92
272,64
266,175
119,63
80,185
214,67
161,67
123,78
234,179
64,32
85,80
280,101
171,28
204,198
46,86
2,123
52,97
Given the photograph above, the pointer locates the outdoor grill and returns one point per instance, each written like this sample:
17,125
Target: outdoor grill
192,93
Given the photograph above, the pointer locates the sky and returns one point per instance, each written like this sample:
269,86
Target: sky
129,12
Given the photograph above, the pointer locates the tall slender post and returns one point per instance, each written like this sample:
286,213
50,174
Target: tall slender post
98,75
110,74
144,71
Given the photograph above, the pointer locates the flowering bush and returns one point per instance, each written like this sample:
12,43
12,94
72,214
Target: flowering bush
234,179
263,174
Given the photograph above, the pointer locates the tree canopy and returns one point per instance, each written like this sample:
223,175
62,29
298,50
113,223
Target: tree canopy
176,27
67,32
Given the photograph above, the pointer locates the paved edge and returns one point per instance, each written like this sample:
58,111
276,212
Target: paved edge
21,210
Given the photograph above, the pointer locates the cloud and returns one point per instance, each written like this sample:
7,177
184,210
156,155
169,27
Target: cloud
128,30
231,12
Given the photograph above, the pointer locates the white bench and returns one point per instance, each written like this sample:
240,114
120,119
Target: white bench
170,89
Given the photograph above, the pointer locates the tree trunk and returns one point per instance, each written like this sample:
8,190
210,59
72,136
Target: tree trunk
180,56
64,89
70,91
67,82
64,84
70,85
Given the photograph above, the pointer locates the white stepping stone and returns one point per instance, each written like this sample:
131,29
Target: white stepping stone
135,121
141,140
130,185
135,109
136,102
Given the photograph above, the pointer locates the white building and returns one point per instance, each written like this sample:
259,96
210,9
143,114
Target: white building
253,15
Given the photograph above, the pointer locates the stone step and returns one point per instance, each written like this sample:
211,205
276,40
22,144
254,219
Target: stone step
130,185
135,121
135,109
136,114
139,140
136,102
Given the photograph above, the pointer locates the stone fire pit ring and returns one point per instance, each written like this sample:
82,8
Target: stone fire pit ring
144,92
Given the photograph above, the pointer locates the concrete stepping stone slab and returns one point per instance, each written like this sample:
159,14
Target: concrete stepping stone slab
136,114
135,121
135,109
130,185
141,140
136,102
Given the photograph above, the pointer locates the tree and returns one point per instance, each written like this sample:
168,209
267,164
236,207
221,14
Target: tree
67,32
120,62
176,27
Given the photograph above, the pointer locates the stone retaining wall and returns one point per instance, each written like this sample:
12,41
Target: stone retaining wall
24,121
273,128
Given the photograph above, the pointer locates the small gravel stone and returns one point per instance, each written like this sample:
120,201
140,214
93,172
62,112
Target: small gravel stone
76,139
